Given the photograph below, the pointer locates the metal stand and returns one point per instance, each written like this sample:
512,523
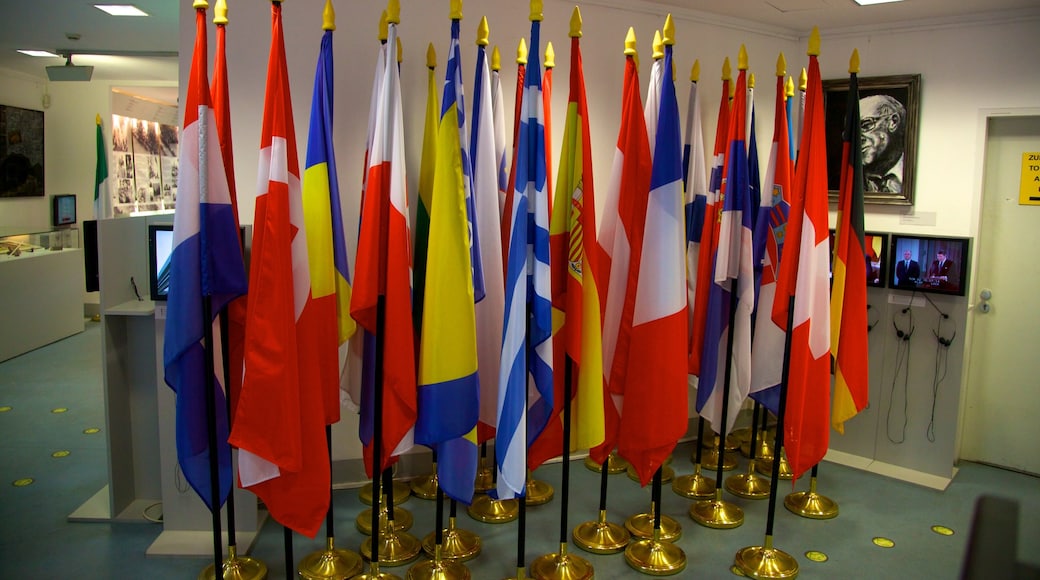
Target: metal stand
695,485
810,504
655,556
330,563
601,536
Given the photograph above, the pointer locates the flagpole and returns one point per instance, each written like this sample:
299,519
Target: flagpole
765,561
695,485
377,449
600,536
211,406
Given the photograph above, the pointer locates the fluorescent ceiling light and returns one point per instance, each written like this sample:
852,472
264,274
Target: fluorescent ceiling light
38,53
870,2
121,9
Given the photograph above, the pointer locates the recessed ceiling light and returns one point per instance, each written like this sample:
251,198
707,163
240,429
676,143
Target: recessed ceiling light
121,9
870,2
38,53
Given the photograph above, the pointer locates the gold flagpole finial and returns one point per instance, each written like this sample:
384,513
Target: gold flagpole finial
328,16
854,62
630,42
751,80
393,12
431,57
803,80
695,72
521,52
536,11
550,55
658,52
496,59
220,13
97,118
742,58
575,23
814,42
781,65
400,51
483,32
200,4
669,31
789,87
456,9
727,72
383,27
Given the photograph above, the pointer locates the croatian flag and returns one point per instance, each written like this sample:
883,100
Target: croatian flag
206,264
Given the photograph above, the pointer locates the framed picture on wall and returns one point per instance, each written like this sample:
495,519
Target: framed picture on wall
21,152
889,109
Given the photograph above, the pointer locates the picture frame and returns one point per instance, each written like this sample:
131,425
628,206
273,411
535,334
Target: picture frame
924,273
21,152
890,156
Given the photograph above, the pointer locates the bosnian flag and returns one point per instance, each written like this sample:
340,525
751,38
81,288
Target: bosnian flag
206,264
279,424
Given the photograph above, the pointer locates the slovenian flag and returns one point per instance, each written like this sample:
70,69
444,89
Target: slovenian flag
205,265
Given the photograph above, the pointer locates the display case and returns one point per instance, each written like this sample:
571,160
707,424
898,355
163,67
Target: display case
42,293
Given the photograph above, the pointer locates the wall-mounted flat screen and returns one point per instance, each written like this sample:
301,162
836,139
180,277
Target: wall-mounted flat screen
929,264
63,209
160,248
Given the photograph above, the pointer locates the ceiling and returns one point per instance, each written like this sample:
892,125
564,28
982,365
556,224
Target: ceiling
26,24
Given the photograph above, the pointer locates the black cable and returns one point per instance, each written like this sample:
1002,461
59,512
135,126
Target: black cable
942,358
902,363
935,306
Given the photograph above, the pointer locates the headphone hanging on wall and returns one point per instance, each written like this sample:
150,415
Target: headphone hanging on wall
871,325
905,334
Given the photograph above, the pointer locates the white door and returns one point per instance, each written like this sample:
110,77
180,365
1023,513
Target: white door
1002,410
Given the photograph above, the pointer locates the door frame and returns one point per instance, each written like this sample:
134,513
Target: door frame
984,116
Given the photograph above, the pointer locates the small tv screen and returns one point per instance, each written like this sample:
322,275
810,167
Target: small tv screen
63,209
160,248
929,264
875,246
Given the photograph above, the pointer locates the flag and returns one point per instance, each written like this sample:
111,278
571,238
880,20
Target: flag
526,366
849,290
733,279
709,233
803,79
424,200
279,424
652,106
754,171
767,347
498,109
206,264
236,312
620,231
550,62
326,246
654,414
488,176
383,271
789,102
574,260
696,187
507,201
804,275
100,174
449,387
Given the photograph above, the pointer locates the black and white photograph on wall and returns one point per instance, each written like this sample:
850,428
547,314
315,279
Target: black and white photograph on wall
888,119
121,134
929,264
21,152
169,181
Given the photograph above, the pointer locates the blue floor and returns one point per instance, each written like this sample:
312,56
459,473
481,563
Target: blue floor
66,465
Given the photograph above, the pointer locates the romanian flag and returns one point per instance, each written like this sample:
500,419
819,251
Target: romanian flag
805,276
424,200
849,291
709,233
383,271
449,389
279,423
326,245
205,265
575,264
526,342
620,231
767,349
733,280
488,170
654,415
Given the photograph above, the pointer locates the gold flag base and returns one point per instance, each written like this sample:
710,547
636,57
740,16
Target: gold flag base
765,467
766,562
748,485
236,567
425,486
493,511
438,569
402,491
695,485
732,443
395,548
717,513
330,564
642,527
561,566
456,544
764,449
538,492
812,505
615,464
402,520
374,574
655,557
485,478
601,536
710,460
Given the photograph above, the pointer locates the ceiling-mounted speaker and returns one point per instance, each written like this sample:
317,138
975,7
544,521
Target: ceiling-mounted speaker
69,72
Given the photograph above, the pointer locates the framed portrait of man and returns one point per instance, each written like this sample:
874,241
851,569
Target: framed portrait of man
889,109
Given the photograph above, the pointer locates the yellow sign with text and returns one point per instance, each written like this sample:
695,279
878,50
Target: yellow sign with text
1029,190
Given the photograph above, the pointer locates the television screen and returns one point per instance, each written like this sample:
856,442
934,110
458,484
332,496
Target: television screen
874,250
160,246
929,264
63,209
